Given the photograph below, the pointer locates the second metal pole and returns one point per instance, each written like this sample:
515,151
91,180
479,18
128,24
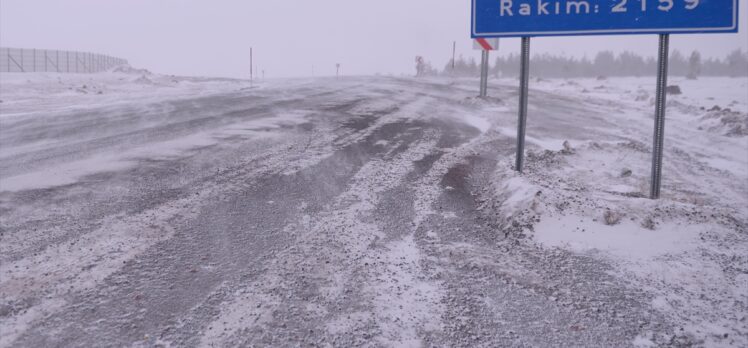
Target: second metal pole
660,106
524,80
484,74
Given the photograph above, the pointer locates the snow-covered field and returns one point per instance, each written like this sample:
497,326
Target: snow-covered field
138,209
40,94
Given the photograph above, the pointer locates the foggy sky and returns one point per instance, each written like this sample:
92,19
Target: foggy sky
291,37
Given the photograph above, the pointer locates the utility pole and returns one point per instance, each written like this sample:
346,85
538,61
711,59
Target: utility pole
337,71
454,52
251,65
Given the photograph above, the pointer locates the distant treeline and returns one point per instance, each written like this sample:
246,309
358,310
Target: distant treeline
605,63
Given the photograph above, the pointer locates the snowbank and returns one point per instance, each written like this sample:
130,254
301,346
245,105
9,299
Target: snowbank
689,250
25,94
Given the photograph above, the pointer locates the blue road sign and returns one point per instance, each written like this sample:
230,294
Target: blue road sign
512,18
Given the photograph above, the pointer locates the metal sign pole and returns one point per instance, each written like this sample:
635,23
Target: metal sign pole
524,80
484,74
660,106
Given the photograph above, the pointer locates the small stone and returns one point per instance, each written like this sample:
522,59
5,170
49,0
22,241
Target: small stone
567,150
611,218
648,223
673,90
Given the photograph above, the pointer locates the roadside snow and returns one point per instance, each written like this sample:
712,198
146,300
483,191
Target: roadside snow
688,250
626,240
31,98
43,94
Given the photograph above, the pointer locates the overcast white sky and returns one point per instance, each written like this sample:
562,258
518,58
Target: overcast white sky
213,37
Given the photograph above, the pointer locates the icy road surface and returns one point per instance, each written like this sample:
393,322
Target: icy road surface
371,211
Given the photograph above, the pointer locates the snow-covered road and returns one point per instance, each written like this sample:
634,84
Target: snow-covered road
371,211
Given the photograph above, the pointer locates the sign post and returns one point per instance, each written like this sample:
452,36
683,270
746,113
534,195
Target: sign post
528,18
524,86
486,46
483,73
659,128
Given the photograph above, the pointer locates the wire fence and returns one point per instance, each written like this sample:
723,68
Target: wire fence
37,60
